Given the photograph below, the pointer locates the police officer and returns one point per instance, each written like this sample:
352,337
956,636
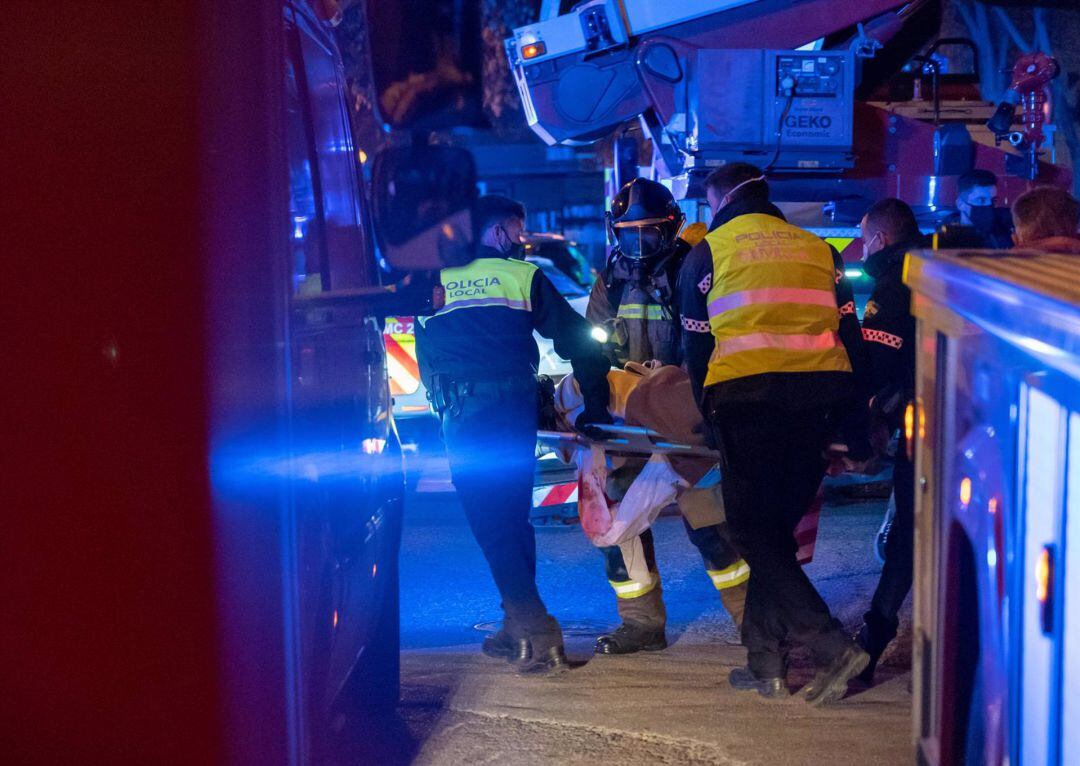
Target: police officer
767,332
478,360
635,297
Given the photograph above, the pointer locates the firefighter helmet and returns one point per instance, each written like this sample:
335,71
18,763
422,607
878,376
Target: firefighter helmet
644,219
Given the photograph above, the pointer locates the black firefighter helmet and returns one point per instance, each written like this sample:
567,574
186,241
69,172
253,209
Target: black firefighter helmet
644,220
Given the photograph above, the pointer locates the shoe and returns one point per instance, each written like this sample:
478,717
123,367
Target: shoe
551,662
628,638
866,678
830,684
501,646
744,680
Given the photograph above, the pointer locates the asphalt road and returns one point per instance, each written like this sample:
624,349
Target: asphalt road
460,707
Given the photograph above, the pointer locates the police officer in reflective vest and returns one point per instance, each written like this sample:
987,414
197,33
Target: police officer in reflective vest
478,359
634,297
769,323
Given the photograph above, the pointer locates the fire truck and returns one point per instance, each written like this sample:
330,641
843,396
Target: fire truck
842,104
996,429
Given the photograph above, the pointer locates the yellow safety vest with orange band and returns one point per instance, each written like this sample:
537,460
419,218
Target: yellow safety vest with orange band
772,304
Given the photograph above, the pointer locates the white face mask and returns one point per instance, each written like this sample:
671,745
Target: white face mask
727,197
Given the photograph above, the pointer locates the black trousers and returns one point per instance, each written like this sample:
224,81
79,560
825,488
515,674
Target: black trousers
771,467
882,620
491,443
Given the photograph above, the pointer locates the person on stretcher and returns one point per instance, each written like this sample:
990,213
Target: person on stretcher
621,496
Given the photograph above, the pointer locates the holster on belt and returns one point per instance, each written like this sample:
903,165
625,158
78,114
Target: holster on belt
447,395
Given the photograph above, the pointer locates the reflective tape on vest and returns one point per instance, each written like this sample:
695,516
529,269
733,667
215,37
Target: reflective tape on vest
742,298
772,305
765,340
729,577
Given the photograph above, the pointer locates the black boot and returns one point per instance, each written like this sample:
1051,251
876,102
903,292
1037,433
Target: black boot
874,637
501,646
629,638
743,679
551,661
830,683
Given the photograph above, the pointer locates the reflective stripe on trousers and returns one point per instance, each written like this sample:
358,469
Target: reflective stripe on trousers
729,577
632,588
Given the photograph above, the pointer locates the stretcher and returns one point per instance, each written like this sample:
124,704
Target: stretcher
629,441
643,443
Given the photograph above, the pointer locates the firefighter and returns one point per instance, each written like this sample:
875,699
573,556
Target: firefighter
889,230
767,321
478,359
635,296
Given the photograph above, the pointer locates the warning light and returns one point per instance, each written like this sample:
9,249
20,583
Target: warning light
909,422
532,50
965,492
335,618
1043,569
374,569
362,156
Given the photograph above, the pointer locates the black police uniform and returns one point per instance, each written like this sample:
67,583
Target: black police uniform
479,360
889,346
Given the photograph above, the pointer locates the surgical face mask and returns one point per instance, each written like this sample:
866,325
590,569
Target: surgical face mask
726,199
982,217
867,245
640,242
508,246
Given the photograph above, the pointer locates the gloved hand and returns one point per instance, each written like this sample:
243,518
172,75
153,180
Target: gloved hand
586,425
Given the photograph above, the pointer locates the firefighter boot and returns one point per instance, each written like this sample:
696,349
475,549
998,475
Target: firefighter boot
643,618
502,646
629,638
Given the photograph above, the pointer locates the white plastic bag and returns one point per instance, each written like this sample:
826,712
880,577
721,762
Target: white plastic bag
651,491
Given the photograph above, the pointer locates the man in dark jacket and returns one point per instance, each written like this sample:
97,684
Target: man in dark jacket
976,195
478,360
771,340
889,231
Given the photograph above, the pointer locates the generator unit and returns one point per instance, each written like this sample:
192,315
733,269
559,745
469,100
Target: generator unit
786,110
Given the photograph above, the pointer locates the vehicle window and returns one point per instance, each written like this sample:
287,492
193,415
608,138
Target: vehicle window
566,286
306,244
349,257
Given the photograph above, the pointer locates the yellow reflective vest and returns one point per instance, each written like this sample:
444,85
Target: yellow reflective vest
488,282
772,301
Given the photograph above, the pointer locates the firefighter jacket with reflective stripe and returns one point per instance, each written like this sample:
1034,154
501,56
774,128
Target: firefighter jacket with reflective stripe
485,329
889,330
767,313
644,305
